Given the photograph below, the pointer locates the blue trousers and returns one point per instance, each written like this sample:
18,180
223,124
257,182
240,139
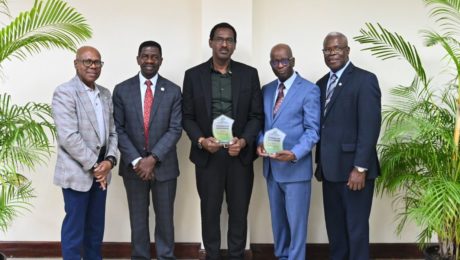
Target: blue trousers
289,208
83,226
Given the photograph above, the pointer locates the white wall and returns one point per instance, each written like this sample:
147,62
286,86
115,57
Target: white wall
182,28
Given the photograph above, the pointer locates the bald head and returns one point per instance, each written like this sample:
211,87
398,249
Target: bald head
85,49
281,47
338,35
88,65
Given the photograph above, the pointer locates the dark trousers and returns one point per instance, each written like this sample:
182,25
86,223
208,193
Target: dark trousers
83,226
163,196
347,220
224,173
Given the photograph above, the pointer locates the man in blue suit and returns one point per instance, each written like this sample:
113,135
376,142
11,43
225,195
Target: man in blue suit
291,104
346,154
148,116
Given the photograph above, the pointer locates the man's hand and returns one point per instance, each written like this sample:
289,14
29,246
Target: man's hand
284,156
145,168
235,146
356,180
211,144
261,151
101,172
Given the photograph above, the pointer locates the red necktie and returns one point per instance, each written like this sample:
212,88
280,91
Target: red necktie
279,99
148,100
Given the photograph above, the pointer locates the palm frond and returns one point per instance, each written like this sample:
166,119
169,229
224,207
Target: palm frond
446,14
50,24
25,133
4,8
15,193
386,45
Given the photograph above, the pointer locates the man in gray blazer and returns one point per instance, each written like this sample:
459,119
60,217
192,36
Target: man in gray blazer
147,112
87,150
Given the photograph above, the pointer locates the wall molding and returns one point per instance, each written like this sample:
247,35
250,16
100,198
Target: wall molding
41,249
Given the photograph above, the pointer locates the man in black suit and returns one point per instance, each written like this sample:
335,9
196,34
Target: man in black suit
221,86
346,155
148,115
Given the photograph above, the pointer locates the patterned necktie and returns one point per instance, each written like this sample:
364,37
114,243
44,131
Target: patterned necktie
279,99
330,90
148,100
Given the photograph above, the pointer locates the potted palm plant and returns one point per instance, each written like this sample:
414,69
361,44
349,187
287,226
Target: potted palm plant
419,149
27,131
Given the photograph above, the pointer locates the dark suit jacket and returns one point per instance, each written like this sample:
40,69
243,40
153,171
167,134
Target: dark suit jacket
165,126
246,104
351,126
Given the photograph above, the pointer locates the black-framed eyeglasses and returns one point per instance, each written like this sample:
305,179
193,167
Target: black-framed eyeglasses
284,62
220,40
89,63
335,50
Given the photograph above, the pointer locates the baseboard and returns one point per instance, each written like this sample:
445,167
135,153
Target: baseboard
35,249
109,249
321,251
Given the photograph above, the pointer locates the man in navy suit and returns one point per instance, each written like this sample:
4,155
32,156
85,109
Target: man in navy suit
346,154
148,115
292,105
221,86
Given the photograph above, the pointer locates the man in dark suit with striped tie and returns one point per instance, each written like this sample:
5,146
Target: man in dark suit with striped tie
346,154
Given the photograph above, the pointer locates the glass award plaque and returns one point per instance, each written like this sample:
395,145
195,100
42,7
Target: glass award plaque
273,141
222,129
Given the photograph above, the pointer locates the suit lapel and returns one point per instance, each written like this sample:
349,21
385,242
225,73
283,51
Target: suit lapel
136,96
291,93
236,83
340,85
160,90
87,105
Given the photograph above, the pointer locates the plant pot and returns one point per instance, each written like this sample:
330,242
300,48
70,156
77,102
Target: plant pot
432,253
2,256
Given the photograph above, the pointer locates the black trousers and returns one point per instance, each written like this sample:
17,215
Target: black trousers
224,174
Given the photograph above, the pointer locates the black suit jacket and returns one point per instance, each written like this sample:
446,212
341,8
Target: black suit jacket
165,126
351,126
246,104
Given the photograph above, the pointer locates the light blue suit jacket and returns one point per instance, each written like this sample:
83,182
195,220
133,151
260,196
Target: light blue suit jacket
299,118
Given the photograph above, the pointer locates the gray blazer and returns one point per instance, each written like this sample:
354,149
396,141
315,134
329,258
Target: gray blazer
77,134
165,126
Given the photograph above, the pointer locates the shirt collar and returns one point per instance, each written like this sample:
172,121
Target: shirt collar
339,72
142,79
288,83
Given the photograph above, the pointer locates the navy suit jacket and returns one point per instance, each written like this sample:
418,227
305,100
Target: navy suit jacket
165,126
298,117
247,108
351,126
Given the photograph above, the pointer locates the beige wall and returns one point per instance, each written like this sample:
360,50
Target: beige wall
182,27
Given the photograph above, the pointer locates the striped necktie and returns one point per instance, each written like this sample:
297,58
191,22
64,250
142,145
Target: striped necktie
330,90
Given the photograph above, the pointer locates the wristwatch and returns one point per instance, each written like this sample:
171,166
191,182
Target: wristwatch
112,160
360,169
200,140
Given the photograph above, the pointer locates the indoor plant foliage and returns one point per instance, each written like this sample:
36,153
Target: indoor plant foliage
419,149
26,131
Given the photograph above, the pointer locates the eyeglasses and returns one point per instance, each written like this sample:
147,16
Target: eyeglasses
220,41
335,50
284,62
89,63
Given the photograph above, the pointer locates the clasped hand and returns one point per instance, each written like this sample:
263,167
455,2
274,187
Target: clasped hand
145,168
